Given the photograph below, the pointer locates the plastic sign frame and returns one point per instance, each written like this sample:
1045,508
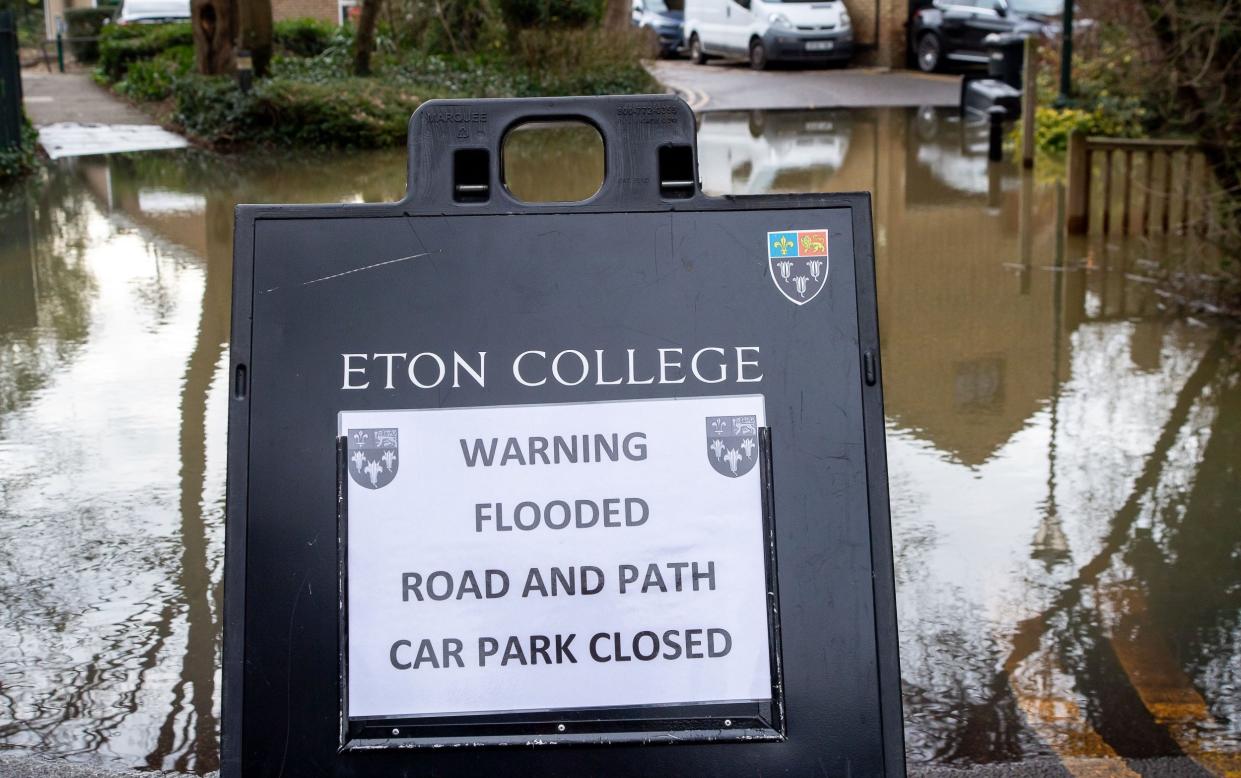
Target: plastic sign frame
649,266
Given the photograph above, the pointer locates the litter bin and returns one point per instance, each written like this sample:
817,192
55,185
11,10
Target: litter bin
1004,57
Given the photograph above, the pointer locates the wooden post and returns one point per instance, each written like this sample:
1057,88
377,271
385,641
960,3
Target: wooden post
1079,185
1146,193
1107,191
1124,225
1167,191
1029,100
1185,191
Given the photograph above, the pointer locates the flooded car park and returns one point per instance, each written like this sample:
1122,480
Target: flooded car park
1062,441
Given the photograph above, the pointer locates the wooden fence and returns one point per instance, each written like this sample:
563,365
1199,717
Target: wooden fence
1160,185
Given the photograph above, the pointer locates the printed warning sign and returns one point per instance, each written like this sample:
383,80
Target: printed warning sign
535,557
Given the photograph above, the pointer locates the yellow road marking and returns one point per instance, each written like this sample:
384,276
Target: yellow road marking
1164,688
1045,696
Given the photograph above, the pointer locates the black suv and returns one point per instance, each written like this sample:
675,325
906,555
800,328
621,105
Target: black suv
945,31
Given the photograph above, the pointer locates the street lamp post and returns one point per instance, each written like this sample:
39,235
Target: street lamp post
1066,55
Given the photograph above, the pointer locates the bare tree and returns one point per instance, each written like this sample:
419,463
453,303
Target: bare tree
213,24
1201,45
364,43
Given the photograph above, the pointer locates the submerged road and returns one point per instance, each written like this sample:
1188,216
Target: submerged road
733,86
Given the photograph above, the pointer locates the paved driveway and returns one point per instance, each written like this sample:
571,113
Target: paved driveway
734,86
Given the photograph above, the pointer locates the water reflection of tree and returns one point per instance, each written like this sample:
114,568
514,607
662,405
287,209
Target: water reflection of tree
1165,546
82,703
200,595
46,294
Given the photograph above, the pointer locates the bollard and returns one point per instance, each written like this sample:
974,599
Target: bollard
995,143
245,70
10,84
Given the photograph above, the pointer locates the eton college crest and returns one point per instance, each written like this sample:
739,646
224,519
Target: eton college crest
373,456
732,444
798,263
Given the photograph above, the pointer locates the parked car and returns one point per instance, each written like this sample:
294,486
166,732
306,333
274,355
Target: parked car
152,11
945,31
765,31
666,18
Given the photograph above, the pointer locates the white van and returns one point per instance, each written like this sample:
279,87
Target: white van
768,30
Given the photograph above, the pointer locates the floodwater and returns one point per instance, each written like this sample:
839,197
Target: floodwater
1063,443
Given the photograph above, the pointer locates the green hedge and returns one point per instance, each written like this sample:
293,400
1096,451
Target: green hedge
153,79
311,100
15,163
122,45
348,112
304,37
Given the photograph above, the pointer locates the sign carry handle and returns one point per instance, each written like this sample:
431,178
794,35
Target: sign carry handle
455,152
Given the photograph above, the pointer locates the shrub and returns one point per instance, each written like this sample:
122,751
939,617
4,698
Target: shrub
304,37
119,46
153,79
347,112
583,62
521,14
82,24
1052,126
21,160
459,28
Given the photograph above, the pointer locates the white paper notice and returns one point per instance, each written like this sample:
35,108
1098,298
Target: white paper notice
543,557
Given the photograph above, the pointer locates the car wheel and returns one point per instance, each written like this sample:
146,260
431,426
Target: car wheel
929,50
758,55
696,54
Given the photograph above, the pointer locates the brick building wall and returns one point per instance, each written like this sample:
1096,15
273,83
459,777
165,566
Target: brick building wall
326,10
879,28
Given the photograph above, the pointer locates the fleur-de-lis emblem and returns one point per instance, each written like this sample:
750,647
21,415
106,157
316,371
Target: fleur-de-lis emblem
717,447
747,446
732,458
373,469
783,245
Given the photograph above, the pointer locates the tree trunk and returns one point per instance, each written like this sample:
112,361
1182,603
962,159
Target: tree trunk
213,24
254,31
616,15
364,43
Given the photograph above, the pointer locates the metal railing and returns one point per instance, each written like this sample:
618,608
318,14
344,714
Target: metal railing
10,84
1169,178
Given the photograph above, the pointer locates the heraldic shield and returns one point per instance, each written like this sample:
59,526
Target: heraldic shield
798,263
373,456
732,444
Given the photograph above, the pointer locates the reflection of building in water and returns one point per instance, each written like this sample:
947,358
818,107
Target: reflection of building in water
960,366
